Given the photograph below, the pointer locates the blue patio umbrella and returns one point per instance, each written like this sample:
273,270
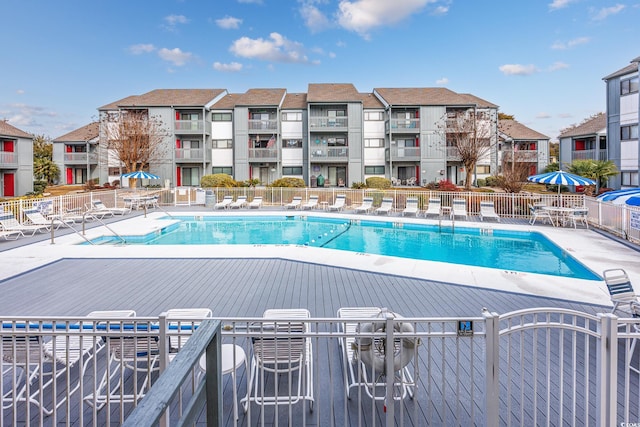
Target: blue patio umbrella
629,196
140,174
561,178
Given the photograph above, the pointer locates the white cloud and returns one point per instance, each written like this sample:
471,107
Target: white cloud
231,67
571,43
229,23
332,55
440,10
20,91
138,49
605,12
340,43
543,115
558,66
313,17
362,16
174,20
518,69
442,81
176,56
277,49
560,4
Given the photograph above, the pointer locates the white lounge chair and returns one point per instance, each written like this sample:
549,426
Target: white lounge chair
459,208
487,210
184,322
620,290
286,352
224,203
11,235
366,206
411,207
8,222
434,207
36,218
99,206
311,203
240,202
256,203
357,373
338,205
386,206
98,213
294,203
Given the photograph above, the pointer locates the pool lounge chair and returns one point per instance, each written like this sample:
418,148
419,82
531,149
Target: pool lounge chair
487,210
287,354
386,206
240,202
11,234
356,372
184,322
8,222
411,207
338,205
620,290
224,203
98,213
36,218
294,203
312,203
433,208
99,206
366,206
256,203
459,208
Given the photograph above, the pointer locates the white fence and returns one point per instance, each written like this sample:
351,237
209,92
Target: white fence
540,366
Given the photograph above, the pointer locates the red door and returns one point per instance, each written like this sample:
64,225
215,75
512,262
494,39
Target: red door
69,176
178,176
9,185
7,146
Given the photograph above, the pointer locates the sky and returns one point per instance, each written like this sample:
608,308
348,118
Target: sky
540,60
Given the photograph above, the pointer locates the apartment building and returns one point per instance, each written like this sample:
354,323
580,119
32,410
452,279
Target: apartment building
16,161
585,141
332,135
77,155
521,145
623,115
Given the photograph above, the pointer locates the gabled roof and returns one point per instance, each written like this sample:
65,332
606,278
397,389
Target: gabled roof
261,97
517,131
369,100
429,96
590,126
7,130
295,101
168,98
332,92
227,102
633,67
83,134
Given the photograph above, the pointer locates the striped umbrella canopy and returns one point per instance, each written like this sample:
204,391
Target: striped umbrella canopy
561,178
629,196
140,174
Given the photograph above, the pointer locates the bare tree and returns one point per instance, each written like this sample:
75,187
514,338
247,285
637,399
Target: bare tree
133,138
514,175
472,134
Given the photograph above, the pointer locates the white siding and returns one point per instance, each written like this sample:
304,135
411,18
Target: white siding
222,157
629,155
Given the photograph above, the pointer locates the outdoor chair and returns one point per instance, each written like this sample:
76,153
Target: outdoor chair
488,211
312,203
366,206
459,208
240,202
224,203
338,205
537,211
620,289
8,222
284,349
11,234
98,213
99,206
36,218
411,207
385,207
294,203
433,208
256,203
578,215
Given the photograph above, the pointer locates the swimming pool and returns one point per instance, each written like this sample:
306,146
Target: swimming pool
522,251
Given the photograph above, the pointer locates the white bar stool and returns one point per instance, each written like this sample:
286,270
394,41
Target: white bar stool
230,365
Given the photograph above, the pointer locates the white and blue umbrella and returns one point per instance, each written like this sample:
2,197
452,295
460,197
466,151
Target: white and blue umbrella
561,178
140,174
629,196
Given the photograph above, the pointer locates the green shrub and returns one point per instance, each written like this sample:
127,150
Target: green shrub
358,185
378,182
288,182
481,182
491,181
218,180
39,187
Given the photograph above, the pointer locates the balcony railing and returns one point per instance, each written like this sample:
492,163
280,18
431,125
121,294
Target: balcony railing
527,156
80,158
192,154
263,153
330,153
453,154
400,153
325,122
411,125
263,125
8,159
192,126
589,155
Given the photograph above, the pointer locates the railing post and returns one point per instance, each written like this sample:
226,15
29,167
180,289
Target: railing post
213,380
163,345
607,368
492,368
390,374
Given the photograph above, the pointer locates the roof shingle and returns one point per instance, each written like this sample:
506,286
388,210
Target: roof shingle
589,126
7,130
83,134
168,98
517,130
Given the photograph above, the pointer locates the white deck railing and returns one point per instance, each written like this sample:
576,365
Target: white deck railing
541,366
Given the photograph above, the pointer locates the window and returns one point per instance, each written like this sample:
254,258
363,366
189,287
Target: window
630,178
227,170
628,132
629,86
374,170
221,117
114,171
483,169
373,115
292,170
222,143
291,117
291,143
374,142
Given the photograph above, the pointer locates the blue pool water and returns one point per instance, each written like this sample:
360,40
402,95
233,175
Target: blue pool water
508,250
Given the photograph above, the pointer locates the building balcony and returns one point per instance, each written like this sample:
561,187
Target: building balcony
523,156
330,154
258,126
80,158
405,153
263,154
8,159
453,154
192,155
192,127
328,123
589,155
403,125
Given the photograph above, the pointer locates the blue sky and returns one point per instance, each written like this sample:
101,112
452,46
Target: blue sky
541,60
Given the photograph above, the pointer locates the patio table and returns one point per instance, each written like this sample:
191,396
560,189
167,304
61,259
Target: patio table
559,213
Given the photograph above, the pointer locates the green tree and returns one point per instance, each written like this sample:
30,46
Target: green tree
552,167
44,169
598,170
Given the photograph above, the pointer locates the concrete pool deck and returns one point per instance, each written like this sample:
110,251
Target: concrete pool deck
592,249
